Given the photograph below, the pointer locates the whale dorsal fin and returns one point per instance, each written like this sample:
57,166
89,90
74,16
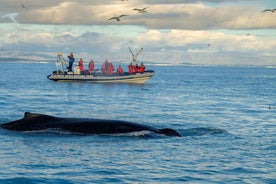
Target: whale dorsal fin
30,115
27,114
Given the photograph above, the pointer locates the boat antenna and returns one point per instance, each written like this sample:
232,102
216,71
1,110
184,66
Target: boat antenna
134,57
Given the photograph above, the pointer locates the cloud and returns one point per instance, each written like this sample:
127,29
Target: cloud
207,46
189,1
190,15
175,31
201,17
218,40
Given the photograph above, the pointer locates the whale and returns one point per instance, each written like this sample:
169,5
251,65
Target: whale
38,122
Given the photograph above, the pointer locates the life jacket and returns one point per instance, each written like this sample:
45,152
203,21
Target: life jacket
91,66
119,70
130,68
110,68
81,66
136,68
142,68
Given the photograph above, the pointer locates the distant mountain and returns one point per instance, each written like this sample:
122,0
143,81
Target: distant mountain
24,56
12,59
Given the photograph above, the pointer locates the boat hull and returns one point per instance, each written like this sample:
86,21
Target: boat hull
139,78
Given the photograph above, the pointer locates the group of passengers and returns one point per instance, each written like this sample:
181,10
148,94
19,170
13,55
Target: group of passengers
136,68
107,67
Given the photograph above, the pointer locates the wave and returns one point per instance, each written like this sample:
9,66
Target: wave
34,62
201,131
27,61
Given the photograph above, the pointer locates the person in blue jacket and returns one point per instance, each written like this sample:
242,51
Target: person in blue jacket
71,61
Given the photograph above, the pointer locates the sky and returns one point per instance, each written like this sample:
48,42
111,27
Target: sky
205,32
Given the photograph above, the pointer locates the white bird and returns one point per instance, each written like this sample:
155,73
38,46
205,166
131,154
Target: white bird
142,10
117,18
134,57
271,10
11,16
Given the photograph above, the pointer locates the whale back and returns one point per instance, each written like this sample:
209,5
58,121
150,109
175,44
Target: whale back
28,115
30,122
169,132
34,121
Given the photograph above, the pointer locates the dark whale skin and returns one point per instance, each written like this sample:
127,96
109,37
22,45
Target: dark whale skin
35,122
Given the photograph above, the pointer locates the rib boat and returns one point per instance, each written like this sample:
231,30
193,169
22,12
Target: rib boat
126,77
97,76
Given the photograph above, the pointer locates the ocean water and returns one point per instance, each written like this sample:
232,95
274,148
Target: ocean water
226,116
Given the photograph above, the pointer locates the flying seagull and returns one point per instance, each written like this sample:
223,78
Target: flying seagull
11,16
142,10
269,10
23,6
117,18
134,57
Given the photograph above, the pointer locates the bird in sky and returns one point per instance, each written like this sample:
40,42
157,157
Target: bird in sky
11,16
23,6
134,56
269,10
117,18
141,10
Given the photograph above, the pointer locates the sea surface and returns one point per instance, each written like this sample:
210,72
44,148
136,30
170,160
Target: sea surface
226,116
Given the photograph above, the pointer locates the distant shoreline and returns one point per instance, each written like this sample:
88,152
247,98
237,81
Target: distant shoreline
149,63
